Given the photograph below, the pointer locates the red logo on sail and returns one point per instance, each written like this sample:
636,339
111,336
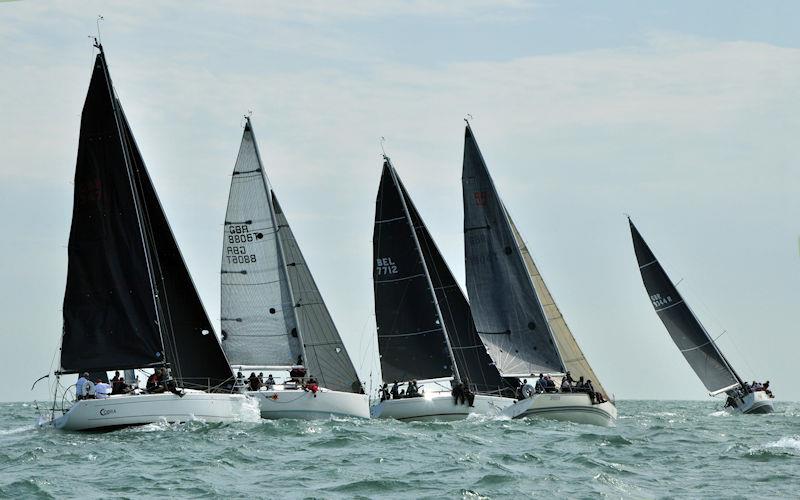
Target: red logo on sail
480,198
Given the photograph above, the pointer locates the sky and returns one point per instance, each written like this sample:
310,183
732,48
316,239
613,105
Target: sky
684,115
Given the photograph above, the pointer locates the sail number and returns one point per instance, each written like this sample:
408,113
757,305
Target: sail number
239,233
385,265
659,301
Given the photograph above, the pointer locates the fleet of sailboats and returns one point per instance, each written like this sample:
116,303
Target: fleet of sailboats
130,304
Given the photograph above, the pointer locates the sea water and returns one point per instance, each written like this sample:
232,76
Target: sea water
657,449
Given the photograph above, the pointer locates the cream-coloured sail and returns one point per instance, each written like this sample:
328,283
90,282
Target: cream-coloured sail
571,355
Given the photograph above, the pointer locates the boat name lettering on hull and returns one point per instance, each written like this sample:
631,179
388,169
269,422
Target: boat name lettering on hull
107,411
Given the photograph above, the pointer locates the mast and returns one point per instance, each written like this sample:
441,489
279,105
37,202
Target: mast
456,374
281,257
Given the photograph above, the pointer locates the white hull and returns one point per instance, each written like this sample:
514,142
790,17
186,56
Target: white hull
439,406
297,403
128,410
754,403
570,407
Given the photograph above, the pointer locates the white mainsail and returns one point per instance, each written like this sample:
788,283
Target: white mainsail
259,327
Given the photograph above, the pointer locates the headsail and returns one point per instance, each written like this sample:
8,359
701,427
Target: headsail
411,337
572,356
474,363
695,344
326,357
507,312
258,320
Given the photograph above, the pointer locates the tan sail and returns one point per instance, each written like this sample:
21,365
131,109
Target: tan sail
571,355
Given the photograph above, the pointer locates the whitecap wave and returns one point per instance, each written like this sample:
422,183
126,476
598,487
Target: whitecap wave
16,430
720,413
786,442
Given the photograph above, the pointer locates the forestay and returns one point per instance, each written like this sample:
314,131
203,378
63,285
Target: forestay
506,310
326,357
695,344
257,313
411,337
571,354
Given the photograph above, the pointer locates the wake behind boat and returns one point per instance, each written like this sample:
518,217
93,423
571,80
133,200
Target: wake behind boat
129,301
426,336
514,312
700,350
273,316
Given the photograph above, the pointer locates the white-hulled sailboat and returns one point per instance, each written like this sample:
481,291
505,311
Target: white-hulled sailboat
514,313
272,313
425,330
130,301
700,350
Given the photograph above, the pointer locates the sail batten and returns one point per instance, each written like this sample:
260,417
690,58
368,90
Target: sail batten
688,334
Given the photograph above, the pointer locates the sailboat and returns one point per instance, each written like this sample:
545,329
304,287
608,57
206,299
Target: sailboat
130,302
425,330
514,312
697,346
272,313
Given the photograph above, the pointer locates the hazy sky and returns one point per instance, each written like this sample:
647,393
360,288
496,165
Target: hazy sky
685,116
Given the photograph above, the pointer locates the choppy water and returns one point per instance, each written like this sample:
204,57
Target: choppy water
658,449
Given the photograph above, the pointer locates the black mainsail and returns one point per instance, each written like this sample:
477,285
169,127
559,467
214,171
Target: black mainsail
507,312
694,342
412,339
129,300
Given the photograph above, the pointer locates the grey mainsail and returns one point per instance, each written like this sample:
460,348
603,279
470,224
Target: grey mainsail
259,327
694,342
507,312
326,356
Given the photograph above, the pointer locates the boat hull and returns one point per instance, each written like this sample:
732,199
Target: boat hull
130,410
439,407
569,407
305,405
755,403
